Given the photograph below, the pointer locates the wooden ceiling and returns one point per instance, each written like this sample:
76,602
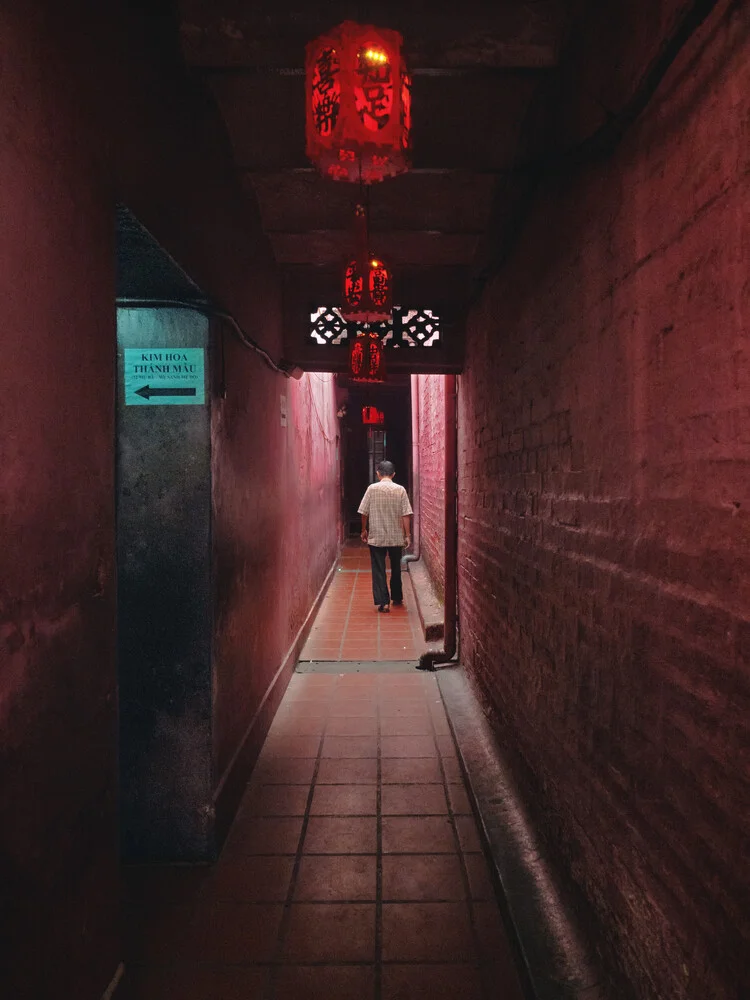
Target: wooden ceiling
477,67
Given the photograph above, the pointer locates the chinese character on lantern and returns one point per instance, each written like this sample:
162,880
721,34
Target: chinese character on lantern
358,96
367,293
366,361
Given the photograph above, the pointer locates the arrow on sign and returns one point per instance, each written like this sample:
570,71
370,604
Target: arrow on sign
147,392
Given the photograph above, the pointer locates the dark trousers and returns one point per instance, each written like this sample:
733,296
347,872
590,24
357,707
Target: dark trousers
379,584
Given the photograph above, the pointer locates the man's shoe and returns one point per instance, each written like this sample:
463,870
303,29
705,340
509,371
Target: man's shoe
398,604
385,608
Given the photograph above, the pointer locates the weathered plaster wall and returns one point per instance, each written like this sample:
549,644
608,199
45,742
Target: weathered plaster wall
79,96
58,850
604,519
431,402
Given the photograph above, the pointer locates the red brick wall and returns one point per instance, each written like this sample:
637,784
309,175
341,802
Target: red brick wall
604,519
431,402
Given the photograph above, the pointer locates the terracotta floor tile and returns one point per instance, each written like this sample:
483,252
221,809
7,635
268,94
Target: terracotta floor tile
446,746
431,982
341,835
408,746
290,746
480,882
298,725
427,932
491,933
459,800
400,710
347,771
423,877
501,980
277,800
194,982
468,834
325,982
414,800
284,771
411,770
351,709
336,877
265,836
452,770
406,726
417,835
344,800
358,726
330,932
350,746
229,932
250,879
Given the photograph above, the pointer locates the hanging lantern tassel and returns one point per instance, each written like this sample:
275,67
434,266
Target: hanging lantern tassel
366,360
367,293
358,96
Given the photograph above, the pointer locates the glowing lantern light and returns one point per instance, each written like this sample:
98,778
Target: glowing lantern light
372,415
358,97
367,293
366,361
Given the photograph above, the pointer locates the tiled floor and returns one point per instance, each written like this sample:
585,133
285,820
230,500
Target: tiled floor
349,626
353,871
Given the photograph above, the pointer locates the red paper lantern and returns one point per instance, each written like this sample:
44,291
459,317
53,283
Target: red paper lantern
358,96
372,415
367,293
366,361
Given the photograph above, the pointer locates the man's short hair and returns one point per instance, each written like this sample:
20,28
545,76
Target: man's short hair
386,468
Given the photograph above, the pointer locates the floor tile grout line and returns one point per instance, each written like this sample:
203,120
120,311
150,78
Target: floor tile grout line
348,615
286,915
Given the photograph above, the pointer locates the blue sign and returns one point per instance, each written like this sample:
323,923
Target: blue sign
165,376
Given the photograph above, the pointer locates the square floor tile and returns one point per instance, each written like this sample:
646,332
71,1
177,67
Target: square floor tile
468,834
229,932
325,982
452,770
358,726
411,770
336,878
344,800
341,835
355,709
423,877
408,746
480,881
427,932
417,835
348,771
459,800
284,771
413,800
276,800
331,932
350,746
250,879
447,746
431,982
257,835
409,725
290,746
493,938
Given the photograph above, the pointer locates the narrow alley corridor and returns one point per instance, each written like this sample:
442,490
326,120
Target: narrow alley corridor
354,869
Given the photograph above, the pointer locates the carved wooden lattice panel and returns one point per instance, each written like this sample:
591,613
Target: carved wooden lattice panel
408,327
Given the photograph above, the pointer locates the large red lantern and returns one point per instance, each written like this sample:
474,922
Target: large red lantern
366,360
367,292
358,96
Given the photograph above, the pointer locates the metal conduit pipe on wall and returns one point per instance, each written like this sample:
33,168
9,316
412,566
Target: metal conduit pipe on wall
428,661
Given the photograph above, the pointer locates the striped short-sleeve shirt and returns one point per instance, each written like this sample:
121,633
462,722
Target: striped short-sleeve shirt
385,503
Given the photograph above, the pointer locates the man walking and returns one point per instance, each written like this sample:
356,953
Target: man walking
385,511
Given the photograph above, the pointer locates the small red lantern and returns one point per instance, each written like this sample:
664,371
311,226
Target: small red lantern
367,295
372,415
358,97
366,361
